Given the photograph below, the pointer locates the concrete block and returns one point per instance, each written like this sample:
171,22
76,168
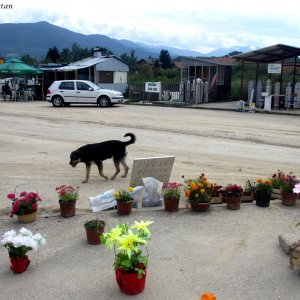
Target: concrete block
287,240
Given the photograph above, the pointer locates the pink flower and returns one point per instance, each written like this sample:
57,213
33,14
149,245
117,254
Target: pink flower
11,196
296,189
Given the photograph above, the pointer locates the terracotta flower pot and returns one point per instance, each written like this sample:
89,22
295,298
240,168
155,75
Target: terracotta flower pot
129,282
200,207
233,202
288,199
171,204
18,264
67,209
29,218
93,235
124,208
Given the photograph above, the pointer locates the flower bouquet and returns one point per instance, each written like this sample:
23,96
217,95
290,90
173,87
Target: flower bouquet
67,197
18,244
25,205
171,196
130,263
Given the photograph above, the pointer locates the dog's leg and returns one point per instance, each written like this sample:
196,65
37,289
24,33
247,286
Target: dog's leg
100,168
88,170
117,166
123,162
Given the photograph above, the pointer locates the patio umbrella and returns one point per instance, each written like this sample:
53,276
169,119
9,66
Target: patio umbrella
17,67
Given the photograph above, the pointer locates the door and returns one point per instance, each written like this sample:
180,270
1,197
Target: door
67,90
85,93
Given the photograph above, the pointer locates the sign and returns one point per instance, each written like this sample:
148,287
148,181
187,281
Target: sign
157,167
274,68
152,87
268,102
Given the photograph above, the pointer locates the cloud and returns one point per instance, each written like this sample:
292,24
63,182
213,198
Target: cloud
195,25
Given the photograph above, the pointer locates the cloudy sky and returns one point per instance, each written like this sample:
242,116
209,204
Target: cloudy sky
195,24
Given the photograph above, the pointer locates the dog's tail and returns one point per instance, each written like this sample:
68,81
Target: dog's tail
132,139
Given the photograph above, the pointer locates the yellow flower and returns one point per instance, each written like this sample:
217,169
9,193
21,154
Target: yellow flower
142,226
129,241
113,236
200,184
130,189
269,182
117,195
259,180
202,191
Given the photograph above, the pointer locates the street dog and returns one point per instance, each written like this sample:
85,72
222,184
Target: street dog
98,152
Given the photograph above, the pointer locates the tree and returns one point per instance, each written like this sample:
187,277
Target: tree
53,54
66,56
27,59
79,53
234,53
165,59
130,60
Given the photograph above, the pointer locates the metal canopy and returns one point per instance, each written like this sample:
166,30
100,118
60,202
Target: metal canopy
269,54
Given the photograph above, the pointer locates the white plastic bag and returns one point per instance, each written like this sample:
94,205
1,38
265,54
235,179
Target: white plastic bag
137,195
153,192
103,201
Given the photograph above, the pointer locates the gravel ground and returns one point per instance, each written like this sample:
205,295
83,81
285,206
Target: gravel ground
234,254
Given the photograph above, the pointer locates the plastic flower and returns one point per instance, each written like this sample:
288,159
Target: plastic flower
130,189
296,189
112,236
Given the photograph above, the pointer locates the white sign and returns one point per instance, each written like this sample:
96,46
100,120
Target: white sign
157,167
274,68
268,103
153,87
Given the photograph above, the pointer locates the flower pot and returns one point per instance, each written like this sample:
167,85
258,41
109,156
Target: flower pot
129,282
29,218
124,208
200,207
67,209
288,199
171,204
233,203
93,235
262,200
18,264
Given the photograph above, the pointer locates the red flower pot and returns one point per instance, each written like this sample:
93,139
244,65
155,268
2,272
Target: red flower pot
124,208
18,264
288,199
233,202
67,209
129,282
171,204
200,207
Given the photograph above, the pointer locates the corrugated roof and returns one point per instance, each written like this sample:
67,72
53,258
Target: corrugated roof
269,54
81,64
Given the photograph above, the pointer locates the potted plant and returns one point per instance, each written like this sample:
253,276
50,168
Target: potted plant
198,192
25,206
277,181
124,201
289,182
94,229
67,197
130,263
171,196
248,192
216,194
18,244
233,194
263,192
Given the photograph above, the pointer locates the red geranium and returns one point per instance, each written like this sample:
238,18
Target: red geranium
25,204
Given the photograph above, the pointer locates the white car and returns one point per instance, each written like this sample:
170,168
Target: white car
65,92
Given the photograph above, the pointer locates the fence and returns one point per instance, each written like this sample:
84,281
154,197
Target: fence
187,92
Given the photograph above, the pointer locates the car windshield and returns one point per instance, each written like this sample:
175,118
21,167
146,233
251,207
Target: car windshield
94,86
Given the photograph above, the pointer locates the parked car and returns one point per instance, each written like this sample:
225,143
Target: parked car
65,92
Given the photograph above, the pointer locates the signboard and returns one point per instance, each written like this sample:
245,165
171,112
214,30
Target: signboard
157,167
268,102
274,68
152,87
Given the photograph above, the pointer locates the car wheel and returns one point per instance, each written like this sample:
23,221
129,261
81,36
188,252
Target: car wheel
57,101
104,101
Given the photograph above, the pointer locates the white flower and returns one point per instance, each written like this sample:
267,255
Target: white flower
25,232
296,189
39,239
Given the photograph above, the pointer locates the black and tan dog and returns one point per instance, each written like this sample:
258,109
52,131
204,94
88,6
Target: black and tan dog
97,153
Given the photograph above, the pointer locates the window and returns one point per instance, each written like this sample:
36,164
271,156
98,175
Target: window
67,85
106,77
82,86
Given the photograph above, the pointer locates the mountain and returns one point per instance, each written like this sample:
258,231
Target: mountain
35,39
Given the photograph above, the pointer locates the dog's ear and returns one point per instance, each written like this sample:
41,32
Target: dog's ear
74,154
